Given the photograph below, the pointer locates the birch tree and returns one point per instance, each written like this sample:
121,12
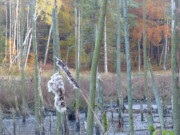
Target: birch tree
149,115
139,57
166,49
95,60
22,62
128,61
175,68
15,26
118,48
105,47
36,77
157,98
56,53
6,4
77,14
10,26
47,47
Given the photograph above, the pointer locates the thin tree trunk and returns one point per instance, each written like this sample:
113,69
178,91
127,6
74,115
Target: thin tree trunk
175,68
1,121
128,61
157,98
81,31
28,51
42,109
6,51
10,33
105,48
166,49
56,53
157,55
28,27
54,39
95,60
19,41
77,42
15,26
47,47
56,43
118,46
149,115
161,56
36,79
22,62
139,57
101,102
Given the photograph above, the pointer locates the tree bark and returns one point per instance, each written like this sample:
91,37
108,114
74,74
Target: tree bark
95,60
36,79
77,53
28,51
161,56
175,68
165,50
6,43
139,57
22,62
10,19
105,47
157,98
128,61
118,46
149,115
15,26
56,53
47,47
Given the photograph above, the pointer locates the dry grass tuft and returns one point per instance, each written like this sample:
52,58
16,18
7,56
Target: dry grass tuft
10,87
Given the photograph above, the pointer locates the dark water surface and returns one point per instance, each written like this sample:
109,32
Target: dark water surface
28,128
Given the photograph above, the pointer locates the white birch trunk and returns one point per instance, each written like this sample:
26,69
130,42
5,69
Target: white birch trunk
161,56
10,34
28,27
175,68
19,42
47,47
139,57
79,36
29,47
166,49
6,29
15,26
105,48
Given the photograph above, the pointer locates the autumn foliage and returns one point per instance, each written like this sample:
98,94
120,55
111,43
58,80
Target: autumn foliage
158,29
157,26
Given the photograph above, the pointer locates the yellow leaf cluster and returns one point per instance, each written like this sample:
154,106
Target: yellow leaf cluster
44,9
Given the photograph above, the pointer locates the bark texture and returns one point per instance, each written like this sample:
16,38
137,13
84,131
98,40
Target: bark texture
128,61
95,60
175,68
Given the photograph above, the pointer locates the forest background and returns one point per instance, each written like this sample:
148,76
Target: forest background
158,27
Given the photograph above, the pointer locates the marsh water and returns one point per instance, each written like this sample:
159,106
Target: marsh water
15,125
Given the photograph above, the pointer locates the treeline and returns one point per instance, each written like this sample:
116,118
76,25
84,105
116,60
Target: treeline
158,24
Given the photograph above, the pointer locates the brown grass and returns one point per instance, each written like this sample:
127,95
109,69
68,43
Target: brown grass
10,87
